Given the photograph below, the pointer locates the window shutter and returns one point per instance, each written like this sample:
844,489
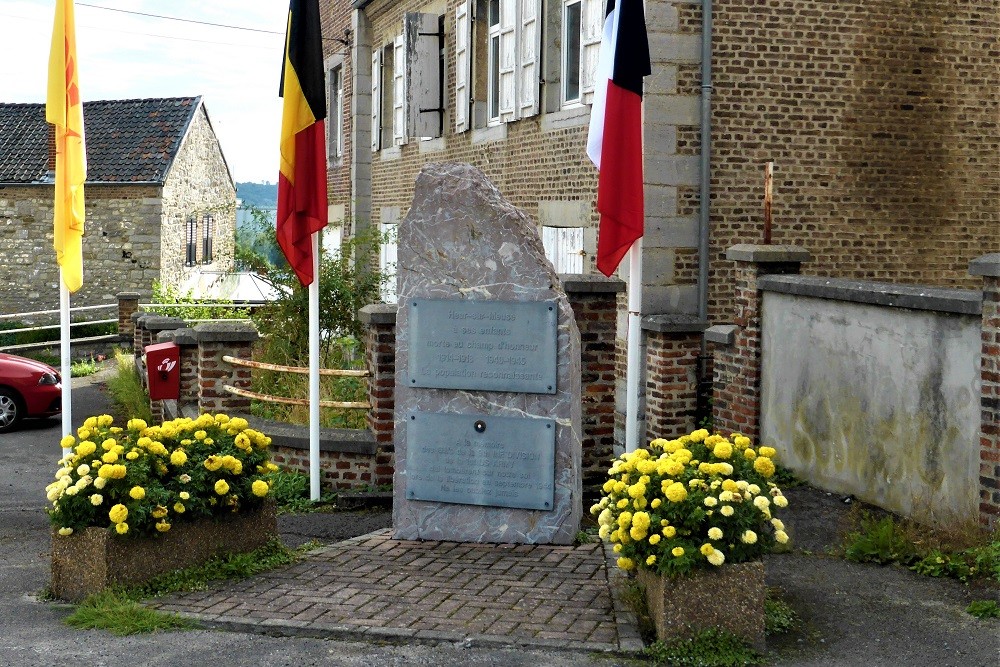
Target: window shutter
508,58
399,91
463,32
423,85
387,261
530,49
376,99
590,44
564,248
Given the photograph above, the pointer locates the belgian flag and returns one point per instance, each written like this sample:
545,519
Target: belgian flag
302,207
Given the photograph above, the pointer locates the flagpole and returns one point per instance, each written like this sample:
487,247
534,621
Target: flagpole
66,370
314,373
632,370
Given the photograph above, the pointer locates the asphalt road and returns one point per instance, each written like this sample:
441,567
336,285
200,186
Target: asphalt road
852,614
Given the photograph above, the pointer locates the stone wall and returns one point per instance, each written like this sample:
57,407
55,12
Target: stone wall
121,246
198,183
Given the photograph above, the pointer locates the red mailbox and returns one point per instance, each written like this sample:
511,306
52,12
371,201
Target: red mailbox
164,370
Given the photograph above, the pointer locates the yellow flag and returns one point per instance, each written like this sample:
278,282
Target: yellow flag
64,109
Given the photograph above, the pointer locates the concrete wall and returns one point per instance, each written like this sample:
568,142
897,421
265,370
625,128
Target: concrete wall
876,401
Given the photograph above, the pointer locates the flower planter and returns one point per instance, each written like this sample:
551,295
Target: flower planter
95,558
729,598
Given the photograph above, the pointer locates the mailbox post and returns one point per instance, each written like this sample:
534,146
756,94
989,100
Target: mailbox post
164,371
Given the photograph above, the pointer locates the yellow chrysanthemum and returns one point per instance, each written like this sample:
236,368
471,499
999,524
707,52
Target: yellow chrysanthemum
706,549
65,531
748,537
118,513
178,457
637,533
711,501
658,443
137,493
654,538
136,425
781,501
132,456
259,488
749,454
650,560
781,536
162,526
669,532
121,528
656,503
714,533
764,466
104,420
222,487
184,495
626,563
677,551
85,448
726,510
676,492
722,450
622,504
769,452
741,441
159,512
67,441
699,435
179,508
717,558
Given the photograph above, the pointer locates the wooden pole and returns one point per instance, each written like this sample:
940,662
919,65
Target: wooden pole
768,186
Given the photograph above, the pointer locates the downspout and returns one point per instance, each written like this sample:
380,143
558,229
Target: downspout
706,152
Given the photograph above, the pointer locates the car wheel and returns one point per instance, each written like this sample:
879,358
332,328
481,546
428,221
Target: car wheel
11,411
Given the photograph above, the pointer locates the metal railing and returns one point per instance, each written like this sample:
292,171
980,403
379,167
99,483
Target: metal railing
269,398
45,327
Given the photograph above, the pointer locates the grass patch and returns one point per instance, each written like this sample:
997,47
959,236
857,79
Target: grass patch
126,390
291,493
710,648
963,552
116,611
779,617
84,367
984,609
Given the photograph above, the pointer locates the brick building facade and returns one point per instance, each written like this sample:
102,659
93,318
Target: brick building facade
160,202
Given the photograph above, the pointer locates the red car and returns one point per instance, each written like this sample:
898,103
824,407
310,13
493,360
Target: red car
28,388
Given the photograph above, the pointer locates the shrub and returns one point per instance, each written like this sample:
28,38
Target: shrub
697,501
142,479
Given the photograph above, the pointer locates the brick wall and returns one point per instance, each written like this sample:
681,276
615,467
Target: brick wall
881,117
989,397
673,345
336,18
337,470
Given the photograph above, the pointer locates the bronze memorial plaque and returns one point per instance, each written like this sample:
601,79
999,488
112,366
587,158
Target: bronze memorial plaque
483,345
481,460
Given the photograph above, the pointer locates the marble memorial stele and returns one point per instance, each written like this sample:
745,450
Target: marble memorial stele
488,465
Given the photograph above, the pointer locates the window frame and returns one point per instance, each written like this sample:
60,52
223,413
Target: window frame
335,136
565,53
493,63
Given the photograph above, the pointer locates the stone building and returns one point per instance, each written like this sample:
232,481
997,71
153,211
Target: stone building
160,201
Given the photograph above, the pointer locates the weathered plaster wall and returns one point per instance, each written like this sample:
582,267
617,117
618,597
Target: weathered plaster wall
879,402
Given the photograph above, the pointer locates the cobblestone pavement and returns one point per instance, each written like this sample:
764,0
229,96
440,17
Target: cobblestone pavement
374,587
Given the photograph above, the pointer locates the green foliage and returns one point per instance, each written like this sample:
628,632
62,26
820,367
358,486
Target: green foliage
257,248
291,493
230,566
84,367
984,609
51,335
879,541
115,611
779,617
126,390
170,301
710,648
257,194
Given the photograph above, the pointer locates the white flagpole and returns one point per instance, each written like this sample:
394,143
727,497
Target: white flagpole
66,370
632,363
314,373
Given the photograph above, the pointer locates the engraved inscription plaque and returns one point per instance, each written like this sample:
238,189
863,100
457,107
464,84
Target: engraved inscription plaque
481,460
483,345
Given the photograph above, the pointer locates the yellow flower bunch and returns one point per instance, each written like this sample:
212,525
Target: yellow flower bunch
699,500
143,478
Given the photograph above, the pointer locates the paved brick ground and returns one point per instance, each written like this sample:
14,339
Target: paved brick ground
373,586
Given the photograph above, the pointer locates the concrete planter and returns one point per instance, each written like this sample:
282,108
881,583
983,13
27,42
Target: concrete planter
730,598
94,559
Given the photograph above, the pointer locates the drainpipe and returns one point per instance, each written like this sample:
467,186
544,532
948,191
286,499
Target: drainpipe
706,152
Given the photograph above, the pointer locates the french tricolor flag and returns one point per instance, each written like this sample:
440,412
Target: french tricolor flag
615,140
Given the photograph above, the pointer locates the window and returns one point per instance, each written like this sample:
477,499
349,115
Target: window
496,61
571,21
564,248
336,128
208,233
407,83
191,256
387,261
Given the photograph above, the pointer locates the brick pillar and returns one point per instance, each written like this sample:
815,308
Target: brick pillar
187,341
380,359
147,329
673,343
988,266
736,392
216,340
594,302
128,303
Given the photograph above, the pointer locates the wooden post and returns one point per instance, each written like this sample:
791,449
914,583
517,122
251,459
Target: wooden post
768,186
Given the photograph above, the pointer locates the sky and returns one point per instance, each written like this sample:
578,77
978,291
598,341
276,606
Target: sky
125,55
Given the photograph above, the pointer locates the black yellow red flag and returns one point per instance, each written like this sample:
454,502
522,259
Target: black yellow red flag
302,205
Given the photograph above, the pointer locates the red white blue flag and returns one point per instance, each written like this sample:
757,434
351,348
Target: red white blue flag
615,140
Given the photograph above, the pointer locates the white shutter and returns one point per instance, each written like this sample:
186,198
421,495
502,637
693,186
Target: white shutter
376,99
463,30
423,85
399,91
508,60
590,43
564,248
528,65
387,261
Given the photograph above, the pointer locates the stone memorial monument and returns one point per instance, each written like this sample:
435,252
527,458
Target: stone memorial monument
487,417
